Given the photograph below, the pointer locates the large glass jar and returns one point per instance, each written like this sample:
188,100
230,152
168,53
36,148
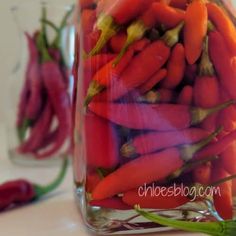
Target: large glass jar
39,109
155,112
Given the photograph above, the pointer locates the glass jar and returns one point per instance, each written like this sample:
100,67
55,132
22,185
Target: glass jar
38,132
155,114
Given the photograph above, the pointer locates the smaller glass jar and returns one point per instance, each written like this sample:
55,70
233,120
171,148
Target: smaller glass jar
39,109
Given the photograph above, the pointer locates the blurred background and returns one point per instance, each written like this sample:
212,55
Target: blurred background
9,48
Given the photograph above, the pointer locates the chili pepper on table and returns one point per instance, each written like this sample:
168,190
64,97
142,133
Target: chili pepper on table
223,201
157,12
195,29
114,14
156,141
186,96
102,145
202,174
161,117
221,59
154,167
207,88
152,58
117,42
18,192
224,25
175,67
163,200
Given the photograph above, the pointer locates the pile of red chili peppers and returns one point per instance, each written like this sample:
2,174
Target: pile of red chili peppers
158,79
44,111
18,192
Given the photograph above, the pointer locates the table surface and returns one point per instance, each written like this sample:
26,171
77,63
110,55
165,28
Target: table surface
54,215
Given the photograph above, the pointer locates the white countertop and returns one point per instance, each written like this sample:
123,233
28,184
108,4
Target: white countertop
56,215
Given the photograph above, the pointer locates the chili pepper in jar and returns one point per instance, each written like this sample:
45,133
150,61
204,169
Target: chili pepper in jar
175,67
161,117
207,88
195,29
156,141
186,96
224,25
221,59
18,192
223,198
101,142
154,167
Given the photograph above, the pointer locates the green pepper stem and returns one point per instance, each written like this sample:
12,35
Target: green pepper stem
108,29
221,181
210,26
206,67
93,90
188,151
134,32
200,114
171,37
56,41
51,24
43,190
22,129
225,228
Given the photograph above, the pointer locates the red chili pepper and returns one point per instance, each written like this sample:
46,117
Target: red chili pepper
186,96
224,25
34,103
38,132
154,167
195,29
167,15
190,74
223,201
86,3
161,117
59,100
156,141
221,59
112,203
175,67
162,199
166,95
102,145
117,42
88,18
18,192
218,147
207,88
182,4
155,79
202,174
228,159
116,13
